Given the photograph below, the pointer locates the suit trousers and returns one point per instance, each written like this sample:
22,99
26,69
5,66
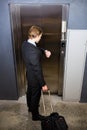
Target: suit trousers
33,97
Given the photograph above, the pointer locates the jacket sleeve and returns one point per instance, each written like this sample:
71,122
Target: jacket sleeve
43,50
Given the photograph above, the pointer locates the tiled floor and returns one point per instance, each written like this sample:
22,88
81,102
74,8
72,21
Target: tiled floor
14,115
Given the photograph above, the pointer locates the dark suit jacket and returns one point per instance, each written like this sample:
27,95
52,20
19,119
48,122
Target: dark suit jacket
32,58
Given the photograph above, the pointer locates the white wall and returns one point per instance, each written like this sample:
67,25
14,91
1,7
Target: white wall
74,64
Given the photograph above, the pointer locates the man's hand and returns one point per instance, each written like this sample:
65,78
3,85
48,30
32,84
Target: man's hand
44,88
47,53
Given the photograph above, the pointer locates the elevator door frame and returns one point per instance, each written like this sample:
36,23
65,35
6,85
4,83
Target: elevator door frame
20,34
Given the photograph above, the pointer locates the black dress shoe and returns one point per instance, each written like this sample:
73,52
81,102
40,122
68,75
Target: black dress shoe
38,117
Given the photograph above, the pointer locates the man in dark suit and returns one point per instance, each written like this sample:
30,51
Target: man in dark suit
32,58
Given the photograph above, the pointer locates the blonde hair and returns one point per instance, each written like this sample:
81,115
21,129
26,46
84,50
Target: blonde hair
34,31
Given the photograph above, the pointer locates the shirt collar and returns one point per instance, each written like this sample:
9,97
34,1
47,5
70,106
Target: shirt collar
30,41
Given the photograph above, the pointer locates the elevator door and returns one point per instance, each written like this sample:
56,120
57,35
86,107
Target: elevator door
49,18
51,23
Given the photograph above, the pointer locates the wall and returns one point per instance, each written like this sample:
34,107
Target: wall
77,21
74,66
75,52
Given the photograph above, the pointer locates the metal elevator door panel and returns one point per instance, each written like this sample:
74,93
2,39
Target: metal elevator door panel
51,16
30,15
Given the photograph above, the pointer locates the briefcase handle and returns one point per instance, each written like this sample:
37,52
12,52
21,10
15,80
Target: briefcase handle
44,106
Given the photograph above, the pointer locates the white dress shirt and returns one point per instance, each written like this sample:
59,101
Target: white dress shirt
30,41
